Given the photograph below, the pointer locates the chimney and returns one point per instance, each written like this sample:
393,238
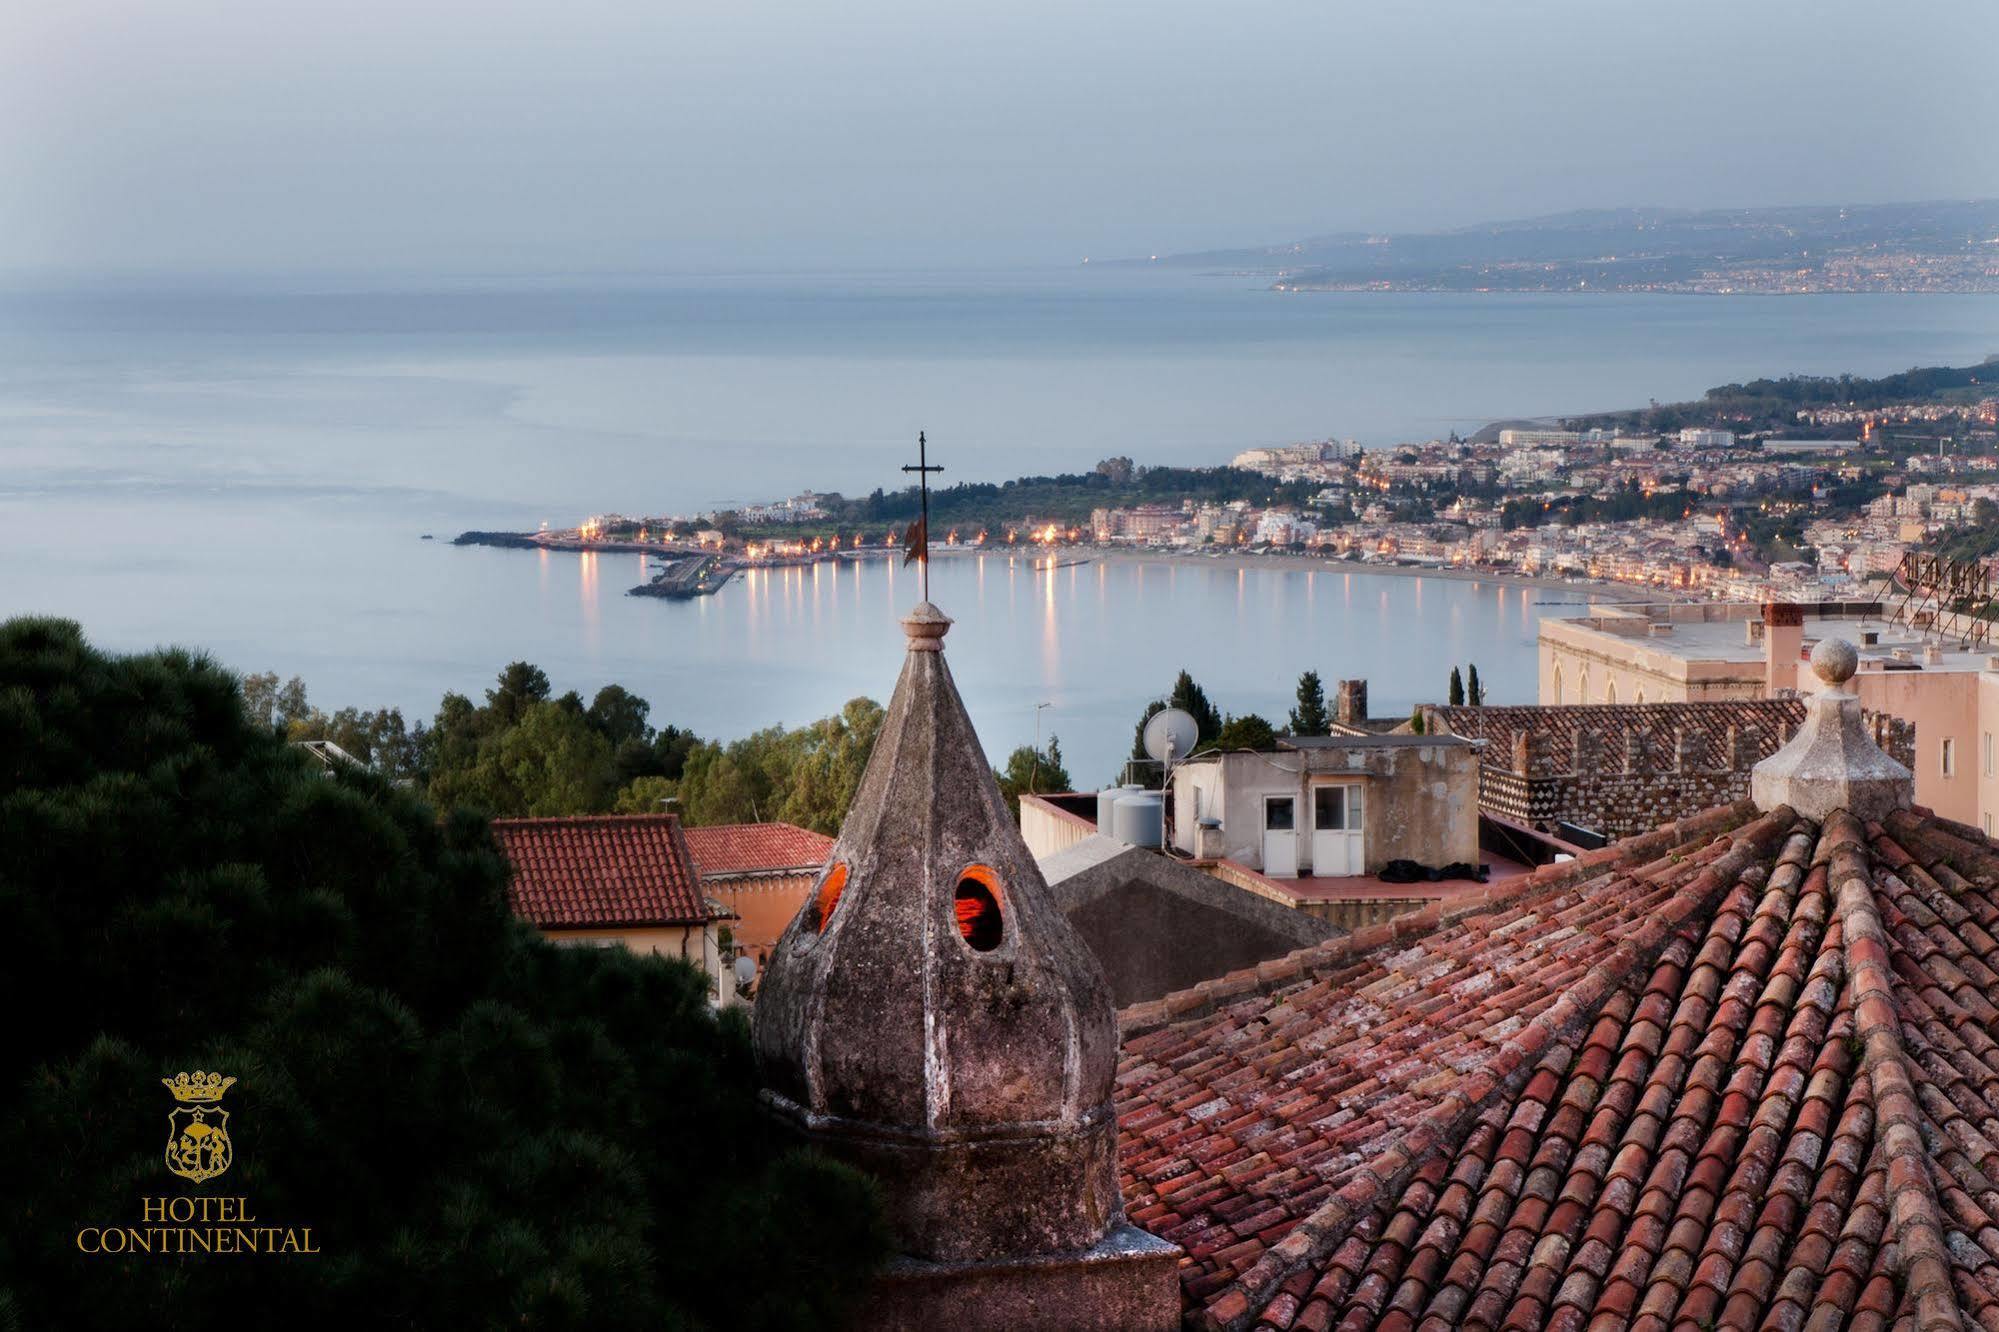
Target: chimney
1783,640
1350,703
1523,752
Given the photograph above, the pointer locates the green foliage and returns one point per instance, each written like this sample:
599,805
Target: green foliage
1190,698
481,1129
524,752
1248,731
806,776
1456,697
1310,715
1474,688
1976,539
1029,770
380,738
1067,499
644,795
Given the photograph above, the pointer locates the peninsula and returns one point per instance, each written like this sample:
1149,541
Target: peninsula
1948,246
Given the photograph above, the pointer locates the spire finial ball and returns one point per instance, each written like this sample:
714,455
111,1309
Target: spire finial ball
1834,661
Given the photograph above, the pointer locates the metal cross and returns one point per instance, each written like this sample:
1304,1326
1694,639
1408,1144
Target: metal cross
923,469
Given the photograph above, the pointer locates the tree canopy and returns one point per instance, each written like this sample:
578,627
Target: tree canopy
482,1129
1030,770
1309,716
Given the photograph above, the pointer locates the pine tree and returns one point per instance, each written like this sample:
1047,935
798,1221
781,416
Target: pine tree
1193,700
1475,689
1310,716
1457,691
546,1137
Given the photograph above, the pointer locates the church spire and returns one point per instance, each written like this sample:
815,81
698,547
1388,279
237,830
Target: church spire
931,1017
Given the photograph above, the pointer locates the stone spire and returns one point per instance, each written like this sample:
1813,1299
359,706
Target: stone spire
1832,762
931,1018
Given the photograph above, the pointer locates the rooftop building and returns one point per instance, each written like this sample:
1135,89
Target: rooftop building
1719,651
608,880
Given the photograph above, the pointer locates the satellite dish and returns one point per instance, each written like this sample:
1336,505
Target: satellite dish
1170,735
746,970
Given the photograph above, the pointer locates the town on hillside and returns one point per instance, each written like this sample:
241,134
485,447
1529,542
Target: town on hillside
1796,489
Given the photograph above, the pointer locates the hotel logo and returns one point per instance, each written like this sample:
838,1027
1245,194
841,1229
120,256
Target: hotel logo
198,1128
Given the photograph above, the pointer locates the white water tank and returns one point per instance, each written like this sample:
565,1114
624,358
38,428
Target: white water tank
1140,819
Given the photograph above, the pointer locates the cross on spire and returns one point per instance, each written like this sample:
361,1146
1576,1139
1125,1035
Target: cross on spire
918,537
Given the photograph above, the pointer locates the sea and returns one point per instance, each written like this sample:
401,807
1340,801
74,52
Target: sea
252,469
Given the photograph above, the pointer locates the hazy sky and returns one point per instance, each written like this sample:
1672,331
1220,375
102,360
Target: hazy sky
604,135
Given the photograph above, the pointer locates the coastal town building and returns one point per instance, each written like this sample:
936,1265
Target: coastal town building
616,880
761,874
1677,652
1530,438
1332,806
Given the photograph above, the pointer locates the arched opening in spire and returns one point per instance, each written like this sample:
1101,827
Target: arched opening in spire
980,923
828,896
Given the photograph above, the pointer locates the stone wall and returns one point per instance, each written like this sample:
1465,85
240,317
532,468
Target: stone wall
1625,778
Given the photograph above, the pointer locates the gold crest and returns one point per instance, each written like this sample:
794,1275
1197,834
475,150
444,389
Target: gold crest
198,1127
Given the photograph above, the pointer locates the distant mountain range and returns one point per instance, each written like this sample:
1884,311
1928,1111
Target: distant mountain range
1942,247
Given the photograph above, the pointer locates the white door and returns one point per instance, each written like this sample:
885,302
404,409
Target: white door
1337,841
1280,836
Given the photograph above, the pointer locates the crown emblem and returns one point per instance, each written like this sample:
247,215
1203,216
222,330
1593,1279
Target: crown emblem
198,1086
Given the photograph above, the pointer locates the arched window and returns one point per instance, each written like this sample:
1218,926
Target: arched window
1558,684
1610,691
980,923
828,897
1641,696
1582,686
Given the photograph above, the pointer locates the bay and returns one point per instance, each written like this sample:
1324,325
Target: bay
249,470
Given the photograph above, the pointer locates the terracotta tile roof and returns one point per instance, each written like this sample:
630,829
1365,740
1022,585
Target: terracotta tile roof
1741,1072
757,848
602,870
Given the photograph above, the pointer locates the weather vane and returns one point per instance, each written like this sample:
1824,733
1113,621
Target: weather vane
917,539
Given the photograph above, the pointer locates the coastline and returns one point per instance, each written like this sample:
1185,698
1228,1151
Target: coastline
1251,560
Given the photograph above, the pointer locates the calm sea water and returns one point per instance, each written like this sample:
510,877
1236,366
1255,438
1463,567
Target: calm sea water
250,471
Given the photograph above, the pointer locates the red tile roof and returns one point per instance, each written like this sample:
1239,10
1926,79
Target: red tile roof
602,870
757,848
1739,1072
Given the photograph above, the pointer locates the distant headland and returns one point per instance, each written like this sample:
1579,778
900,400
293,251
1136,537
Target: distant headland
1948,246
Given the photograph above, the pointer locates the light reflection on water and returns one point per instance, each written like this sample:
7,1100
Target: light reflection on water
370,621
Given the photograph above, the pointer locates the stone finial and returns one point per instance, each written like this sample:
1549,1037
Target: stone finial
926,627
1834,661
1833,762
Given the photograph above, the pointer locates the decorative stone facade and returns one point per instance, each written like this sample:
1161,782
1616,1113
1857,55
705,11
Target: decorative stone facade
1620,769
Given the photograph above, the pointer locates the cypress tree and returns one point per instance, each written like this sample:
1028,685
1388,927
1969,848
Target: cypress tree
1310,717
1474,689
1457,690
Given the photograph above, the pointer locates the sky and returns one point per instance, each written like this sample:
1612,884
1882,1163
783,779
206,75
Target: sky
615,136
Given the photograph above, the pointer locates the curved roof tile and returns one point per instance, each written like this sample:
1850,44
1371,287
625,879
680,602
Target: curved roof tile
1739,1072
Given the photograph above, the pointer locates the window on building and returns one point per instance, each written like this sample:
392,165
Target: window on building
1949,757
1610,692
1558,684
1988,753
